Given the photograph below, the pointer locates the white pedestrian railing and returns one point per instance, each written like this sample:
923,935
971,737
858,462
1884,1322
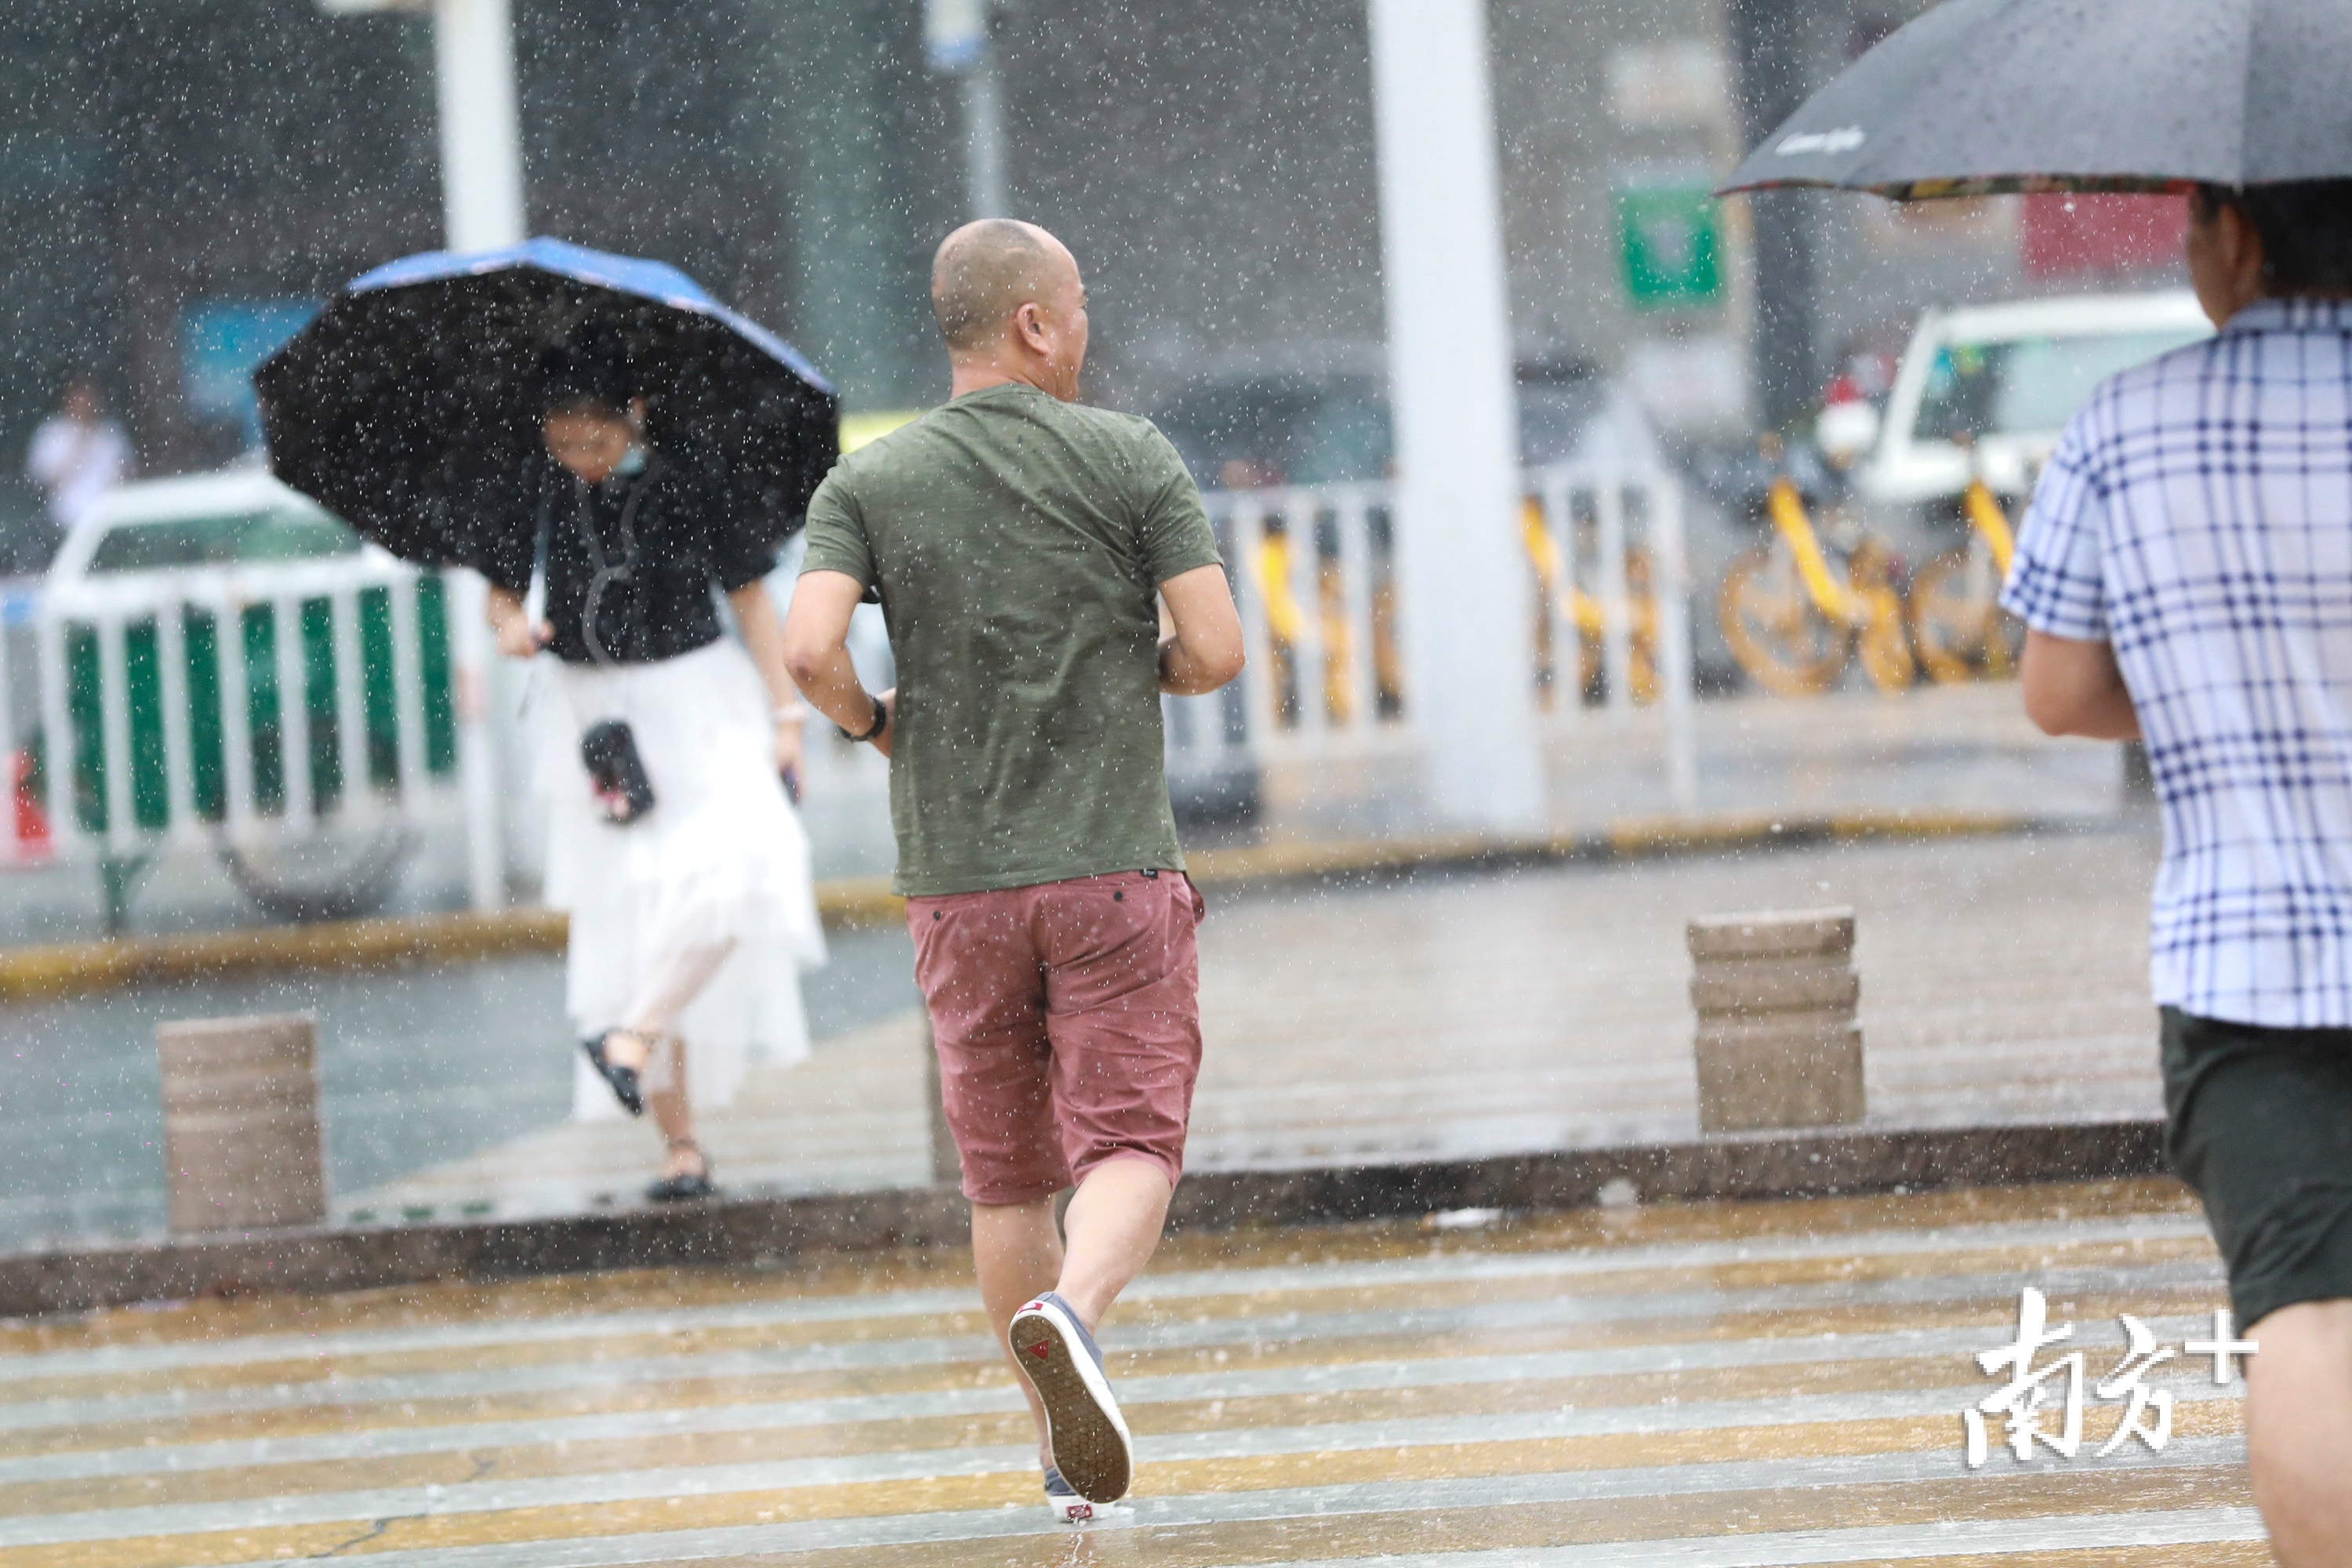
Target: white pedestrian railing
261,702
1316,583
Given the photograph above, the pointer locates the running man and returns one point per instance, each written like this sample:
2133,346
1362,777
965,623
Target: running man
1021,545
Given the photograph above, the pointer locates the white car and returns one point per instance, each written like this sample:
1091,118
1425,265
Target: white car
238,517
2008,376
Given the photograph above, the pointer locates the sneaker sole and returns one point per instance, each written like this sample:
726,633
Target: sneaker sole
1089,1447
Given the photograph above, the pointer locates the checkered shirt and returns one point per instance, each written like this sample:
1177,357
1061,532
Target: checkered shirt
2198,515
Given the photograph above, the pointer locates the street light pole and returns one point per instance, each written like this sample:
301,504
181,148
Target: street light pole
474,97
1451,391
481,206
956,42
481,141
982,92
482,209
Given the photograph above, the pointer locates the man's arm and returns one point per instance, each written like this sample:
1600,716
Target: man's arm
1204,649
2073,688
816,652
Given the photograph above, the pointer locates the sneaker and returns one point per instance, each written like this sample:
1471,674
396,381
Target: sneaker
1083,1426
1065,1505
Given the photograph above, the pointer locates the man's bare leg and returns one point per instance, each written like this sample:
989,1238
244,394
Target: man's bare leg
2299,1431
1114,1223
1017,1251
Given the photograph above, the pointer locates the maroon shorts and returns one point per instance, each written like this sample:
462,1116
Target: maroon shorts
1068,1023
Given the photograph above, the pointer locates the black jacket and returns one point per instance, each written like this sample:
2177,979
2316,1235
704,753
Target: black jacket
630,564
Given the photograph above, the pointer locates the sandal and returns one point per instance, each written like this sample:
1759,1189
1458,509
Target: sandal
624,1081
687,1184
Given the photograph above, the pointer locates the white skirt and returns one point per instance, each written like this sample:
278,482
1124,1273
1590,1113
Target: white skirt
722,857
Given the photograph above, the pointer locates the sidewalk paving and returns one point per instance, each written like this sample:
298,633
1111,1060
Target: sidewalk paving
2004,981
1554,995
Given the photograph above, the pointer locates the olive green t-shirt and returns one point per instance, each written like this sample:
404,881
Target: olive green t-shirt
1017,542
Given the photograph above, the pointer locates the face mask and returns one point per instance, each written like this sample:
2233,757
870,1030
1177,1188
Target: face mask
631,463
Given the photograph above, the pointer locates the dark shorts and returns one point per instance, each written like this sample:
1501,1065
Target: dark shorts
2259,1121
1067,1020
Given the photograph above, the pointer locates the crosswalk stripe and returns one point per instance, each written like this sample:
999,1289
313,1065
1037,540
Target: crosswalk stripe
1190,1285
1250,1507
1135,1393
873,1353
1735,1384
609,1485
1957,1538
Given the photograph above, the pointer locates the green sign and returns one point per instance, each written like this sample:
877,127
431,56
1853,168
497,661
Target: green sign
1667,241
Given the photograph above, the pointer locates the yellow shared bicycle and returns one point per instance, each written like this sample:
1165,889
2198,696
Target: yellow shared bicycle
1794,611
1956,621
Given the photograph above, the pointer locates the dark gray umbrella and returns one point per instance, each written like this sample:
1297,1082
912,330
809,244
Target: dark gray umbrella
1983,96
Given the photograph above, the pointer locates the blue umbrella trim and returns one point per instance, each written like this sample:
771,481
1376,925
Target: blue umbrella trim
655,281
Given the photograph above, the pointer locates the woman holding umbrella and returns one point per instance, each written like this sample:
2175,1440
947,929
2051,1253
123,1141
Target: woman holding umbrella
671,841
600,425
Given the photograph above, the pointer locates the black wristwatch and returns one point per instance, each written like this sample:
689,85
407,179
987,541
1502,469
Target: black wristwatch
881,721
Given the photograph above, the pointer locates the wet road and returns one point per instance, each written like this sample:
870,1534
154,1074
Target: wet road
1710,1385
416,1067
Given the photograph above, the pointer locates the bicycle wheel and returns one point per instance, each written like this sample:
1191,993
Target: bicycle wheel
1885,652
1785,644
1960,632
330,875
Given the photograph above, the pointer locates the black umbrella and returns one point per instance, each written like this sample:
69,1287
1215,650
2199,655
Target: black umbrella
407,406
1984,96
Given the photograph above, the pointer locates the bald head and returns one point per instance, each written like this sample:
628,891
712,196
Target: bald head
987,271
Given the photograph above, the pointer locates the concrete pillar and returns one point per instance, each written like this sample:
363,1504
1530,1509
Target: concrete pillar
241,1144
1463,582
481,141
1778,1044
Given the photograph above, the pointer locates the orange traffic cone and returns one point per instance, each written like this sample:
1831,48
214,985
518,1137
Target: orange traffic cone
28,822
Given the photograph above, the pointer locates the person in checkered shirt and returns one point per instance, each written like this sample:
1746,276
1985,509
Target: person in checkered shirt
2185,577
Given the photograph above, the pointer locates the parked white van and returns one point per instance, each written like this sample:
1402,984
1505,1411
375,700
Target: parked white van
2009,377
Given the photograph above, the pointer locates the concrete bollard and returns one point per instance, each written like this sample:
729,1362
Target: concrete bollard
241,1145
1778,1044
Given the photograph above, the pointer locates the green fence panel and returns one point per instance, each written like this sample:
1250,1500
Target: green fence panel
326,760
207,732
440,686
378,695
88,729
208,737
